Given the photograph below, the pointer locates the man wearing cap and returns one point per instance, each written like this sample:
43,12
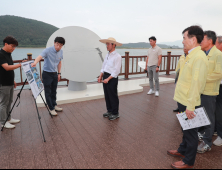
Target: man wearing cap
109,74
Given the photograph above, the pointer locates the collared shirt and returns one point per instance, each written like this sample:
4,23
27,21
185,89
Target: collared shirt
112,64
52,59
191,50
207,52
153,54
214,73
192,79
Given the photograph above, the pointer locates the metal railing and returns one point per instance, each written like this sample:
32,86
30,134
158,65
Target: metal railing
168,64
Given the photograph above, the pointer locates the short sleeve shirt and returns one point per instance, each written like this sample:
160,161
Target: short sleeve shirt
153,54
52,59
6,77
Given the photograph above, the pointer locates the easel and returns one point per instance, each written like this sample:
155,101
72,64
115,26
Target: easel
39,117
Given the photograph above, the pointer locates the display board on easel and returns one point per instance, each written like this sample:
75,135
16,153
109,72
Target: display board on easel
33,78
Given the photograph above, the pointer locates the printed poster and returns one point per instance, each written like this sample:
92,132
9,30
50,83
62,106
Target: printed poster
33,78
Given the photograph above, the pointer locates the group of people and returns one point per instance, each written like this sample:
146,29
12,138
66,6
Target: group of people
51,77
199,75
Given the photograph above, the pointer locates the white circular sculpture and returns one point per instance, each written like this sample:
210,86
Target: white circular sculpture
83,55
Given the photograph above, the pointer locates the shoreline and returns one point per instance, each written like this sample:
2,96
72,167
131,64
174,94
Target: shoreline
149,48
116,48
29,47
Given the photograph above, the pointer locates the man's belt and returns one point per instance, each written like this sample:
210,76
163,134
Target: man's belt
50,72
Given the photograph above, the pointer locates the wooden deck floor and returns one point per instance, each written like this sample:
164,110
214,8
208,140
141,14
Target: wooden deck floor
81,138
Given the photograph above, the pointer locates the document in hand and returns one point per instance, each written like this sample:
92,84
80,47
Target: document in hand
200,120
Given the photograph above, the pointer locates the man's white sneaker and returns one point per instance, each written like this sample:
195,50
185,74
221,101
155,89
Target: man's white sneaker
53,113
151,92
8,126
218,141
14,121
200,136
157,94
58,109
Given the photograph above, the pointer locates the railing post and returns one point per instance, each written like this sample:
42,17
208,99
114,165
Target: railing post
126,65
168,62
29,56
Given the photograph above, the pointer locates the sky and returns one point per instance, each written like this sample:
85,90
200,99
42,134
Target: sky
128,21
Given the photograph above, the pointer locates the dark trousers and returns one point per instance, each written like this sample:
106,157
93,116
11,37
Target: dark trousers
188,147
111,94
219,113
209,103
50,81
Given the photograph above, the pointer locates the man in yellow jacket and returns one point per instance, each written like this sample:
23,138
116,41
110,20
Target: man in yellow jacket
190,86
180,62
208,99
218,141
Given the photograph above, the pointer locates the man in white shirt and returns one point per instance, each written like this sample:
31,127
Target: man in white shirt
154,59
109,74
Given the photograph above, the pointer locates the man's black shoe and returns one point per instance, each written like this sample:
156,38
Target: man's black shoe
108,114
114,117
176,110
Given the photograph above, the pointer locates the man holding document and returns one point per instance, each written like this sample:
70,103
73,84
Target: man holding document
190,86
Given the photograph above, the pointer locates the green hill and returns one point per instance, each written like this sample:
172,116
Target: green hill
28,32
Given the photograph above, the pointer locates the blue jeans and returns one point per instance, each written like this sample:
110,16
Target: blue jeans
50,81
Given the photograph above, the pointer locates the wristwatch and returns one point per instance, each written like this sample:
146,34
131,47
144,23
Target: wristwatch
158,66
59,74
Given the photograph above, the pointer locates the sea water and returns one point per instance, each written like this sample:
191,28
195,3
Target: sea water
21,53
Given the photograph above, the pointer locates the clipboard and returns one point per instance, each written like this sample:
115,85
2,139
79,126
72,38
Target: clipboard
201,119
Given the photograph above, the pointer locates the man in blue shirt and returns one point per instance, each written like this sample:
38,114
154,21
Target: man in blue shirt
52,72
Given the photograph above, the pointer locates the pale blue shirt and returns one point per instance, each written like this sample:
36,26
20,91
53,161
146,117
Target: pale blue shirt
52,59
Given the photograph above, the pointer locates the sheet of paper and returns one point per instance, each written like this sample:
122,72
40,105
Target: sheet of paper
33,78
142,64
200,120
